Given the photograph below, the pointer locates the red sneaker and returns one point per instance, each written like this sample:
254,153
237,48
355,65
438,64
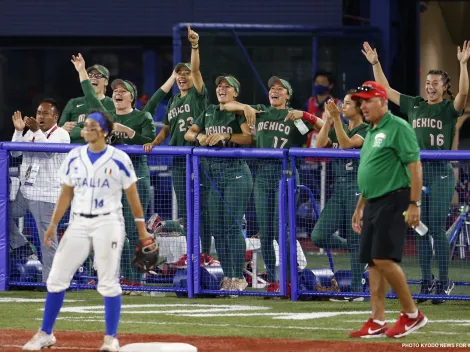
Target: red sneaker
207,260
406,325
182,263
273,287
370,330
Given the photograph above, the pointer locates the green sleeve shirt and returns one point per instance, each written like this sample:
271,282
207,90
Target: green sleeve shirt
387,150
76,110
141,122
154,101
213,121
346,168
273,132
434,124
181,112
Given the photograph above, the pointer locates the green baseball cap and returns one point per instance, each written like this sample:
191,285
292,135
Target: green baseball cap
232,81
100,68
283,82
129,87
181,65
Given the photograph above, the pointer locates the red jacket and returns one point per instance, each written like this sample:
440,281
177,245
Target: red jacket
313,107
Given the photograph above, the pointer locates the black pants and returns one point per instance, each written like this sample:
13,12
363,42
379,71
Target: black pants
384,228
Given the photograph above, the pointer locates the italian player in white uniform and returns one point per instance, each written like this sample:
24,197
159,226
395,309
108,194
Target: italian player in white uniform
93,177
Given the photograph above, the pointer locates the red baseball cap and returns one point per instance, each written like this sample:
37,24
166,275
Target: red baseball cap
370,89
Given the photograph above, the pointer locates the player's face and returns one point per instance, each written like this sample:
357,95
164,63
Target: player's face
278,95
350,109
98,81
225,92
184,79
46,116
92,131
372,109
434,87
122,98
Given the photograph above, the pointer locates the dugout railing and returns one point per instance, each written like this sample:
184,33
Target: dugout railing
20,270
293,191
333,263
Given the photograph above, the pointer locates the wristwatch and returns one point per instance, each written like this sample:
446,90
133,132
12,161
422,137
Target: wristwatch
416,202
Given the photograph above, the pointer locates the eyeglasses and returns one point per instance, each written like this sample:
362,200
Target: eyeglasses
95,75
367,89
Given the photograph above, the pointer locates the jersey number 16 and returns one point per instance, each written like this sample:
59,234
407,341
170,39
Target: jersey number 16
99,203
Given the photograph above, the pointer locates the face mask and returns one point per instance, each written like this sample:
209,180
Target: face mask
319,89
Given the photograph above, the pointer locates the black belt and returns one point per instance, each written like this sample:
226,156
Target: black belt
90,216
403,189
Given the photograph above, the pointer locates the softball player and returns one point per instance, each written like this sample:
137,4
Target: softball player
93,178
231,180
274,129
131,126
340,207
182,109
76,109
434,122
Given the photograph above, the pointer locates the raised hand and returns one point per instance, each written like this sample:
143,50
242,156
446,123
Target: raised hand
464,55
193,37
369,53
78,62
333,111
18,121
31,123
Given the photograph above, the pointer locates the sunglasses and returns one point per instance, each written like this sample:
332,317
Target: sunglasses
367,89
95,75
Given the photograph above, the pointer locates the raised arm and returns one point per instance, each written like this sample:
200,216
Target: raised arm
379,75
196,75
160,94
322,140
344,141
247,110
463,56
88,91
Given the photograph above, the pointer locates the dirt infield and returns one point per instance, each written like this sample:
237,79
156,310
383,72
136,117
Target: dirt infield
12,340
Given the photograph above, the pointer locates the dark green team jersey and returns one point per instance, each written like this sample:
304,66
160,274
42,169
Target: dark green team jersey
75,111
434,124
346,168
273,132
181,112
140,121
213,121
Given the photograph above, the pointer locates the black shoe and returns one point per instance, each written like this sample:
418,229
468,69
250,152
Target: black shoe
443,289
427,287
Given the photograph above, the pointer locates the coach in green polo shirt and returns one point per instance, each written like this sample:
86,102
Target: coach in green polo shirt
76,109
390,182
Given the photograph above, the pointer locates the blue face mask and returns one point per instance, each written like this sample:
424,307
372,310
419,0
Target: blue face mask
320,89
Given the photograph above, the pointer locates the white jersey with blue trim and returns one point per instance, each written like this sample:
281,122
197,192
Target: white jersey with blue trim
97,186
